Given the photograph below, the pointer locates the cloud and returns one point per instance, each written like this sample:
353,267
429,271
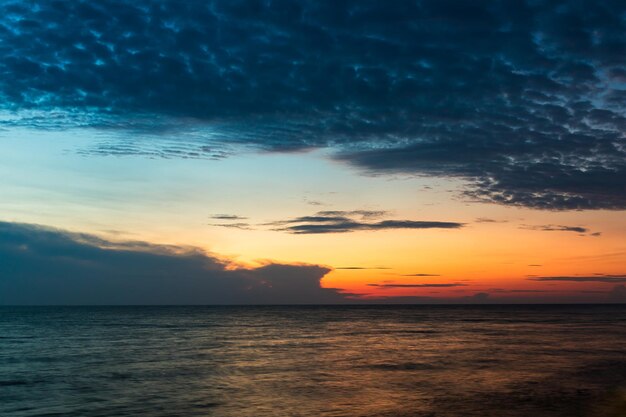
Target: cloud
48,266
488,220
523,101
242,226
363,214
41,265
351,221
228,217
231,218
350,226
361,267
421,275
618,294
593,278
417,285
557,228
479,297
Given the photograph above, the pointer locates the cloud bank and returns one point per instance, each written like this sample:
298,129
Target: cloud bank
522,100
47,266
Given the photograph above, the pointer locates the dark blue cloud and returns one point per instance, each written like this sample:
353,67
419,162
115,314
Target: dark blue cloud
524,100
46,266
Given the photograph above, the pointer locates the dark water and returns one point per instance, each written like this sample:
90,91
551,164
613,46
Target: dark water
313,361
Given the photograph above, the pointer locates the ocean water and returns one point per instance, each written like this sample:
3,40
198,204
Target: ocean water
313,361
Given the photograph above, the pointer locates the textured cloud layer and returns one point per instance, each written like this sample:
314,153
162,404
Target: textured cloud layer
523,99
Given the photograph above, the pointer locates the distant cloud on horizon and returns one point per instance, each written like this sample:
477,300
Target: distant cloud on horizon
42,265
434,285
358,268
618,294
575,278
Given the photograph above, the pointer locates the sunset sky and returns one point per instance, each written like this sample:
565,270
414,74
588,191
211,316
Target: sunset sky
228,152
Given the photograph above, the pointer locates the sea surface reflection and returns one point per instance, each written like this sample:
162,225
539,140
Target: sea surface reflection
313,361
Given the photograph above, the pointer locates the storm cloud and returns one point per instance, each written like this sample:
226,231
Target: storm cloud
522,100
48,266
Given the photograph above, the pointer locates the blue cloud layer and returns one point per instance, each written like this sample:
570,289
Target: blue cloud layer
522,99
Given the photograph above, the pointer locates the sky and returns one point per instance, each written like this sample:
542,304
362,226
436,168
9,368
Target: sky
300,152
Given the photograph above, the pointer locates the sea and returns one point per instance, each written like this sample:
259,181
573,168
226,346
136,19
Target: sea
501,361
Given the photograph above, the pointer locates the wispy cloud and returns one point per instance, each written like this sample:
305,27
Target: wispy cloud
583,231
444,285
351,221
232,221
488,220
228,217
421,275
361,267
363,214
556,228
591,278
241,226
